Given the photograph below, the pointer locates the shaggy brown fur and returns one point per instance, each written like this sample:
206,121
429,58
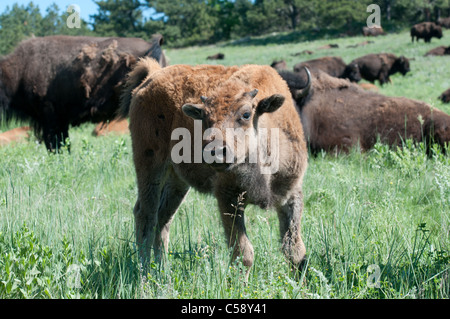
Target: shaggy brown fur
426,31
58,81
339,115
15,135
170,98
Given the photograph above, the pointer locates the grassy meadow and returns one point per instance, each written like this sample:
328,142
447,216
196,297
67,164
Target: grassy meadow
376,224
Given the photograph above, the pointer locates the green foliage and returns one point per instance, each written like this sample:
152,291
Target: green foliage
20,22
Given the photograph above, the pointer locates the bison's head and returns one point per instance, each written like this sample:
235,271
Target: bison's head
402,65
437,31
352,72
230,119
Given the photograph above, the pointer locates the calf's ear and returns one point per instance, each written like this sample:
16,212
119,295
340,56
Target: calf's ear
270,104
193,110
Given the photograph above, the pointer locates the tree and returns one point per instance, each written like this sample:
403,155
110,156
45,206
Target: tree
186,22
118,18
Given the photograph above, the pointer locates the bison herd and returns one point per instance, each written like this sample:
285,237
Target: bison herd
67,81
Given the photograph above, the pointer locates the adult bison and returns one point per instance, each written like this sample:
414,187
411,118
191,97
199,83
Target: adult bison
58,81
426,31
337,115
439,51
381,66
333,66
209,110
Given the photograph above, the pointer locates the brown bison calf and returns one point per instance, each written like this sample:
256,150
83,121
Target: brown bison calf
339,115
205,102
426,31
381,66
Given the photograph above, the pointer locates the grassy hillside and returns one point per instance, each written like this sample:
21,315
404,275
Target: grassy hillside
376,225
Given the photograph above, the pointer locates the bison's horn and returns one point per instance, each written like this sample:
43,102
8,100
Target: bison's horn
306,89
203,98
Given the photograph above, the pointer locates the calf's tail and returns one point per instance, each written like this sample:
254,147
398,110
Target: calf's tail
144,68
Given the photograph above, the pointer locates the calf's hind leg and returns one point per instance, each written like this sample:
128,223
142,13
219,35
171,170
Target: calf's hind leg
146,209
172,195
290,215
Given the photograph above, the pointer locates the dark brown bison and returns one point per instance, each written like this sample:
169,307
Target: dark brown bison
439,51
338,115
445,96
381,66
333,66
373,31
444,22
58,81
426,31
194,106
218,56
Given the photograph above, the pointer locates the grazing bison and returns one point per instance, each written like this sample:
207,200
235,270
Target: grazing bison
197,104
15,135
373,31
57,81
115,126
426,31
337,115
445,96
333,66
439,51
381,66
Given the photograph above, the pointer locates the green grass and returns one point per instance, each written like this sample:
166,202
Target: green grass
67,229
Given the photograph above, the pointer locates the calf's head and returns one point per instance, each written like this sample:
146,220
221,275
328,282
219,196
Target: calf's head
230,121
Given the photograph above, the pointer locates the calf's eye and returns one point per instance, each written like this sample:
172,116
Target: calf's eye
246,116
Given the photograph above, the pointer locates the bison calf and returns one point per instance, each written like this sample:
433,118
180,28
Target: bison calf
197,107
